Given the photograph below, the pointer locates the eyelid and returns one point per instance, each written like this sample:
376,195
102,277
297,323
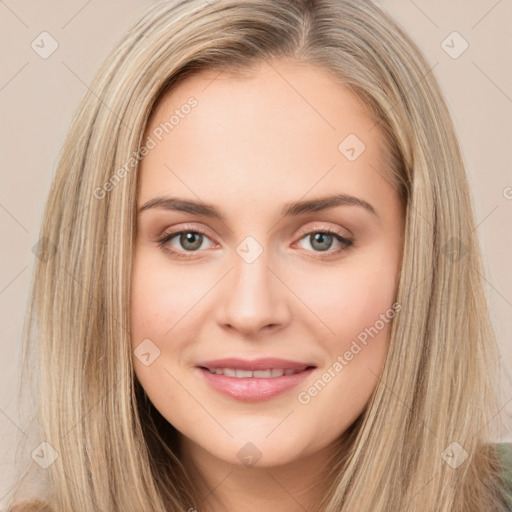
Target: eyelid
183,228
344,233
348,240
345,240
187,228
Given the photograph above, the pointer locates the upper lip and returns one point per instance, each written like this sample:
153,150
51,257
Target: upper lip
255,364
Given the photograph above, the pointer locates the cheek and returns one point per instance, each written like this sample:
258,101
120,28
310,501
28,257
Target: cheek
332,307
167,308
155,307
351,297
354,303
160,296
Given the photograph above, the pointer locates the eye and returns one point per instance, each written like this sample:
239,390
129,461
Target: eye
188,241
323,240
185,242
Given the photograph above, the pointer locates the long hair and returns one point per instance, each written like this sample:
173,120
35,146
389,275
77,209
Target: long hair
438,392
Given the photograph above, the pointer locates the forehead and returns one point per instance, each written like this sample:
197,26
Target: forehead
284,127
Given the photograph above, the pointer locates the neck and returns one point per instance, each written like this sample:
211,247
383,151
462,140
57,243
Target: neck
296,486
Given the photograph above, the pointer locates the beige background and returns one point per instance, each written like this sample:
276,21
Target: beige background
38,97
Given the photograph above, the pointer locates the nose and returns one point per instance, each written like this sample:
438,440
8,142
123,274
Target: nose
255,298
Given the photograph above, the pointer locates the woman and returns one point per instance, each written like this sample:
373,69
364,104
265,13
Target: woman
324,342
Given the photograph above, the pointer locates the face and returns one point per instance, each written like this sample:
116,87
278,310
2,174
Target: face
240,257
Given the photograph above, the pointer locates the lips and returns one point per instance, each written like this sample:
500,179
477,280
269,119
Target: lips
256,364
258,374
255,380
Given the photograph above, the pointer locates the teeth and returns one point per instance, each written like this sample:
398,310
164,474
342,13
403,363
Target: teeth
262,374
243,373
258,374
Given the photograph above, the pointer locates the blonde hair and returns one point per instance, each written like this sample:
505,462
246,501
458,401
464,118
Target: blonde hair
438,385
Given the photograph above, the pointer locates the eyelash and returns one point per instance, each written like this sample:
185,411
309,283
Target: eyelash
163,242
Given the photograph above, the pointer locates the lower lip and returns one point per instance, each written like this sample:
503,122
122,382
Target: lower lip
251,388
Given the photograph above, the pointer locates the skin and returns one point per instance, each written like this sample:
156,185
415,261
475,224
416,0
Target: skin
251,145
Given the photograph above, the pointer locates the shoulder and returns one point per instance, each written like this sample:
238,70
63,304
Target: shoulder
30,506
504,456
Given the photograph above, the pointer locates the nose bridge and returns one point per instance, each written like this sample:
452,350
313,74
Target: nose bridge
255,297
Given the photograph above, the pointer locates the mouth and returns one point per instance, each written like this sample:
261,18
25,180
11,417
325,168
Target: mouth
257,374
255,380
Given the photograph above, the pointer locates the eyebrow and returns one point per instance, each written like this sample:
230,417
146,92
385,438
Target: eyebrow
289,209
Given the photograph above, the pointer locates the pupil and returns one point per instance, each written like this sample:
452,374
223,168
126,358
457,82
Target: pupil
322,237
321,241
187,241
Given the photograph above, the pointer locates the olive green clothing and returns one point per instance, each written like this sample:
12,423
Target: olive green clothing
504,451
